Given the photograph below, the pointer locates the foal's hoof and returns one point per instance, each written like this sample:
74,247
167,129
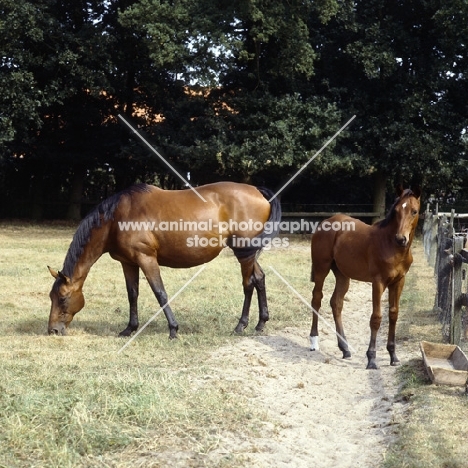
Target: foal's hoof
314,343
395,363
126,332
372,365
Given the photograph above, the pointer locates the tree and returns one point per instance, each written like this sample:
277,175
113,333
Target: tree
245,90
65,76
402,68
251,112
51,54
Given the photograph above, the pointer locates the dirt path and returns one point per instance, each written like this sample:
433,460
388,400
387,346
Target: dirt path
326,411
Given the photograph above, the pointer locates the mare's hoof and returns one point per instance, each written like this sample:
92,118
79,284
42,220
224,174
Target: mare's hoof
395,363
125,333
372,365
346,355
239,329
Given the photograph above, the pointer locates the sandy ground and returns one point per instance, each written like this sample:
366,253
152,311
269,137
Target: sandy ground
325,411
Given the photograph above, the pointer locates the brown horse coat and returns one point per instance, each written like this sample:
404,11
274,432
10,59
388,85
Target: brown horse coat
198,233
379,254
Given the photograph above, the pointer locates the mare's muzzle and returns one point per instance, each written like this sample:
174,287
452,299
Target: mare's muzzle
57,329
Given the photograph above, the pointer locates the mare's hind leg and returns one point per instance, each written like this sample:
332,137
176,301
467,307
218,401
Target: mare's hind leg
150,268
131,273
253,277
336,303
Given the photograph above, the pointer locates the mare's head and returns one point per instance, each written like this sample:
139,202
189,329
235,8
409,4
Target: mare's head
405,212
67,299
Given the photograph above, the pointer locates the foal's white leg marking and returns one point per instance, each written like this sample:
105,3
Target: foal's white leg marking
314,343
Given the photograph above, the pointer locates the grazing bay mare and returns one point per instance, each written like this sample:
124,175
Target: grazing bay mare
379,254
200,230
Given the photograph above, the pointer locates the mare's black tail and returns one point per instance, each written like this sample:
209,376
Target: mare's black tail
270,231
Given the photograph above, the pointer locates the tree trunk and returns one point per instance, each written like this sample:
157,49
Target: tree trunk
76,192
380,185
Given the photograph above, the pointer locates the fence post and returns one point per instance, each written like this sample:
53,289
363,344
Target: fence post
443,273
456,313
433,240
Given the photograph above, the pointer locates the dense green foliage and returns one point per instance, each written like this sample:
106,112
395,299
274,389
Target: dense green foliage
245,90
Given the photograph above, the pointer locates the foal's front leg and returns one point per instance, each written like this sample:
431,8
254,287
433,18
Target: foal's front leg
394,293
375,320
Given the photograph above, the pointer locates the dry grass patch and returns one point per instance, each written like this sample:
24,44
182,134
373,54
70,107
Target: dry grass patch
73,401
434,433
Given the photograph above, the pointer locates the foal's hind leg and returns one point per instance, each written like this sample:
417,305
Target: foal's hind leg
253,277
131,273
336,303
319,273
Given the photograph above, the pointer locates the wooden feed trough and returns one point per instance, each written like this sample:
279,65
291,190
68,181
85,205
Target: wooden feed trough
446,364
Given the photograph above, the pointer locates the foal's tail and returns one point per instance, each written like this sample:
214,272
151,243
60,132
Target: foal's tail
273,223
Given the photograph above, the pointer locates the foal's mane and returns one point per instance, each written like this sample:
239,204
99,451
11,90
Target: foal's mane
102,213
391,213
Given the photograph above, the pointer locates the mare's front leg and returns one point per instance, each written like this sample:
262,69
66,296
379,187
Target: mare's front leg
394,293
375,320
132,274
253,277
151,269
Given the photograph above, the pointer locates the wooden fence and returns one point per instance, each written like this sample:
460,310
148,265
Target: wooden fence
446,249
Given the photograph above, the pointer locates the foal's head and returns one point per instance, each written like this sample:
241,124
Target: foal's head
406,214
67,299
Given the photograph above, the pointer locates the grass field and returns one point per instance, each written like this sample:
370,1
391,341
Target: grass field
74,401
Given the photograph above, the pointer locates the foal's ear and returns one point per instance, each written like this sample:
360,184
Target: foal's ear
416,191
399,190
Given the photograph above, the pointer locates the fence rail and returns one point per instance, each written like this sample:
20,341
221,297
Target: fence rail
328,214
447,251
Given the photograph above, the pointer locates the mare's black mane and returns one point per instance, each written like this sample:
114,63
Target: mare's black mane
102,213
